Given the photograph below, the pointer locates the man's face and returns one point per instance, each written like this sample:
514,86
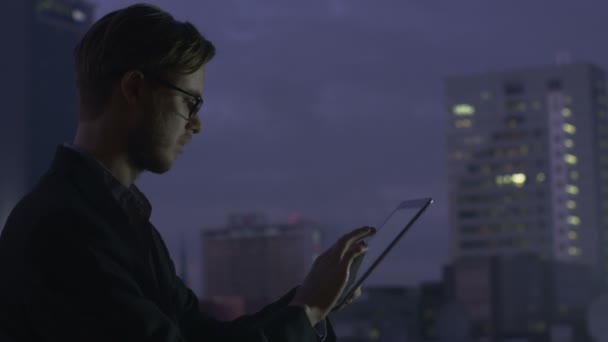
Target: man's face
161,129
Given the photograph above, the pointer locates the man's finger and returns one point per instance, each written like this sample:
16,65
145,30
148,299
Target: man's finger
356,235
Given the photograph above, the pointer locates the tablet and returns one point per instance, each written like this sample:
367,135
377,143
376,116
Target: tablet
380,244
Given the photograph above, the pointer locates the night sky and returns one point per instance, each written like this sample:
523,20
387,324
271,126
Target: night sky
334,109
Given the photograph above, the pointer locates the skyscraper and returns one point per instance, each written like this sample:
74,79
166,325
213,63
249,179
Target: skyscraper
257,260
528,168
38,91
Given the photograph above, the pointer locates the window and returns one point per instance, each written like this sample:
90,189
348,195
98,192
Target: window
570,159
463,110
569,128
554,85
513,88
463,123
569,143
572,189
571,204
574,220
566,112
540,177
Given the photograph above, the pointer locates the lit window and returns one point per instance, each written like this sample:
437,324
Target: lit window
569,128
569,143
572,189
570,159
574,175
463,109
567,112
574,220
572,235
463,123
540,177
574,251
571,204
518,179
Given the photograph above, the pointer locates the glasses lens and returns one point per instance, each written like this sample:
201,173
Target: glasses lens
196,108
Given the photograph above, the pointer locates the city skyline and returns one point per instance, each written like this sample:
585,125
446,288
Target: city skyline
322,108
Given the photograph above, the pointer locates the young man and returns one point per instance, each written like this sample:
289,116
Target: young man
79,258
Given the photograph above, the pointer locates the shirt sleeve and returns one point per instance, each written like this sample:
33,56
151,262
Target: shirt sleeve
81,291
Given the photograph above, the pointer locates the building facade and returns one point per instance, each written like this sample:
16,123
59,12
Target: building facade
38,92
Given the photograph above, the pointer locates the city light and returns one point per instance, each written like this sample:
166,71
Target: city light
571,204
572,235
572,189
517,179
570,159
463,110
463,123
540,177
574,220
569,143
569,128
574,251
566,112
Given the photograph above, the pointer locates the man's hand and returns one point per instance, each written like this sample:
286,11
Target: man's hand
325,282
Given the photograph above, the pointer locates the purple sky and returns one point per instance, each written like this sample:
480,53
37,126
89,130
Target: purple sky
334,109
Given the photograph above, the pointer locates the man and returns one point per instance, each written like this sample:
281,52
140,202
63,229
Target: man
79,258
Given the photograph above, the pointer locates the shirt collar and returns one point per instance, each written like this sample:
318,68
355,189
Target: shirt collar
131,199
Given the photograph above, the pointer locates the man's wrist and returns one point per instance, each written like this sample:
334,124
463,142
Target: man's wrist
314,315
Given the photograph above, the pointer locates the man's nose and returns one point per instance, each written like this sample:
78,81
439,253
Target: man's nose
194,125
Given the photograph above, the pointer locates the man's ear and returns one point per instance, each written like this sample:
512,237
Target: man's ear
132,86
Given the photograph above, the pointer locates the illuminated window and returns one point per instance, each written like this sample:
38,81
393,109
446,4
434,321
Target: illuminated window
574,175
570,159
569,143
569,128
540,177
567,112
463,109
463,123
572,189
572,235
574,251
574,220
571,204
518,179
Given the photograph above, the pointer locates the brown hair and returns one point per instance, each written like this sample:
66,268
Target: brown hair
139,37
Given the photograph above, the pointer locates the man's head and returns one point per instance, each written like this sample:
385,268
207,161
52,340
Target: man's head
139,73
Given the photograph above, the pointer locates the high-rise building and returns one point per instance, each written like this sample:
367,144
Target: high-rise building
528,165
257,260
38,93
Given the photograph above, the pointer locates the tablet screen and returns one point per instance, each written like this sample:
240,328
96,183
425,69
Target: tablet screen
386,238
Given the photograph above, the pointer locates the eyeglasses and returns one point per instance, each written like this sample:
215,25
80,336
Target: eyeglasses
198,101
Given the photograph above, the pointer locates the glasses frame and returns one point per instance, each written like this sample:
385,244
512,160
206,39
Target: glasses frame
198,99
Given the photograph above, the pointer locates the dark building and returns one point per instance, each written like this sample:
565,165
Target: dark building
38,91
